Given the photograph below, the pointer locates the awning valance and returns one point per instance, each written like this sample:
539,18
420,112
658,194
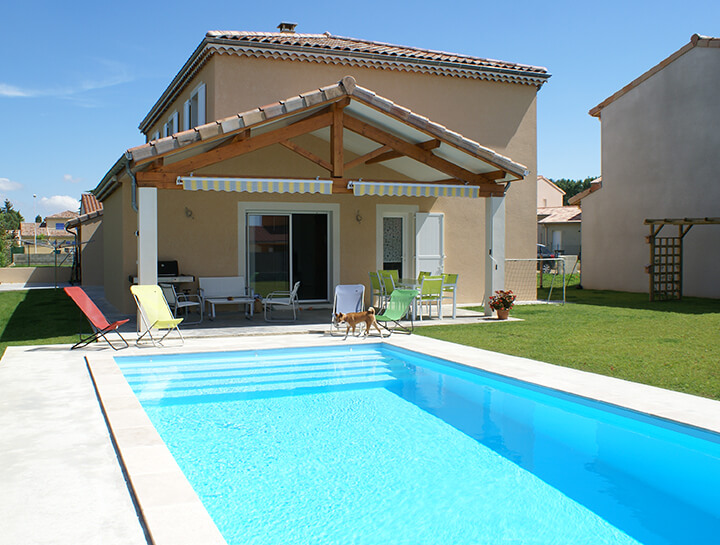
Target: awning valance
250,185
412,190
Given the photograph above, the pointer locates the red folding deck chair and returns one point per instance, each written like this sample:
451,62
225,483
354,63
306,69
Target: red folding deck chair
95,317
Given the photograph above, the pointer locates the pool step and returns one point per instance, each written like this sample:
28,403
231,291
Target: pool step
215,383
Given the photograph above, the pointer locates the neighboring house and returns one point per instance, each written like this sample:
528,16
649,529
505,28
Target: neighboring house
283,131
660,159
559,228
88,230
558,225
548,194
43,237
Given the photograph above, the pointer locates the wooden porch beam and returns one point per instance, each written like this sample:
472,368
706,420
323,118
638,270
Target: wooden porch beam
414,152
392,154
248,145
365,158
336,141
307,154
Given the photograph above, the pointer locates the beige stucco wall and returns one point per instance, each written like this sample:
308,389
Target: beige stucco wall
34,275
92,256
205,75
119,245
660,159
548,194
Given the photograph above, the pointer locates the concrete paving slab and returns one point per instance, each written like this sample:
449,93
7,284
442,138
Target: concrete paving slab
60,480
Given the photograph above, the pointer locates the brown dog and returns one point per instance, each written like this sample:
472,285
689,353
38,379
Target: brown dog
352,319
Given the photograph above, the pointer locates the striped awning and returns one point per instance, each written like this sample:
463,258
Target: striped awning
412,190
196,183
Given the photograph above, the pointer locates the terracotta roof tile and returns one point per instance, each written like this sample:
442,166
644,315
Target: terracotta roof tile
89,203
560,214
329,42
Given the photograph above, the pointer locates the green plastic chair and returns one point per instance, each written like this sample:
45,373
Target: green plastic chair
388,284
155,313
398,307
376,290
421,275
450,290
391,272
431,293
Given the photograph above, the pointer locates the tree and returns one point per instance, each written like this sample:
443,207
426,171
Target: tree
10,218
572,187
38,219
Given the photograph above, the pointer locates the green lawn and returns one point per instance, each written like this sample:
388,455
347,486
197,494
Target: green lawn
671,344
46,316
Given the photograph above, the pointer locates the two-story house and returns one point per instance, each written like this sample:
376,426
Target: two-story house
660,159
350,156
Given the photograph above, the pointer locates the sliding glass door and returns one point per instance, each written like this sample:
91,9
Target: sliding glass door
287,248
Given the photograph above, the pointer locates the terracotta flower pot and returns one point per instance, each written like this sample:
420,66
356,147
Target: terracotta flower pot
502,313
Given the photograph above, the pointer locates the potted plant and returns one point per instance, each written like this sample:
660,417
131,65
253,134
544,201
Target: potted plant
502,302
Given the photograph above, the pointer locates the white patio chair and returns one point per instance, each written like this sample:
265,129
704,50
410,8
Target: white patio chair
182,303
348,298
287,299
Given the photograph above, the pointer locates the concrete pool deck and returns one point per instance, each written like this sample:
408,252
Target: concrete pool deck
62,482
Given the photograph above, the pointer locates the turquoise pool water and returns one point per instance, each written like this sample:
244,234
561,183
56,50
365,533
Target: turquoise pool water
374,444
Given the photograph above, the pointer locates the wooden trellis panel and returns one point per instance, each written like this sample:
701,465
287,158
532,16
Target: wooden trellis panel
666,270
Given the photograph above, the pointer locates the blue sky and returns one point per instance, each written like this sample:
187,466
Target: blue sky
77,77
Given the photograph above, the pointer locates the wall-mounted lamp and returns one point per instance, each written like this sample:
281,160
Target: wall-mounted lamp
189,213
358,217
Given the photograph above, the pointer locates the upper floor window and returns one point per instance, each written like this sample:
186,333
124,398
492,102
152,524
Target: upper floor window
171,127
155,135
194,108
59,226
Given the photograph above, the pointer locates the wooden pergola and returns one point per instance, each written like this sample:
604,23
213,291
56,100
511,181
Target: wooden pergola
666,256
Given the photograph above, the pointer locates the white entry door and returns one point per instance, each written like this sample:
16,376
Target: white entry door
429,244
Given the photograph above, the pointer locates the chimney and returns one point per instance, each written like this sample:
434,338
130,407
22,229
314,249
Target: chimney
287,27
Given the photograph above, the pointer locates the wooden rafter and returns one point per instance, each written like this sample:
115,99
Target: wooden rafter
247,145
307,154
414,152
362,159
392,154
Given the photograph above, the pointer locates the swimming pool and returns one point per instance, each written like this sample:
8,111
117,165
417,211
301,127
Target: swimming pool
375,444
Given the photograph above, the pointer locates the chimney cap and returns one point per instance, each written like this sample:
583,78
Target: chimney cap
287,27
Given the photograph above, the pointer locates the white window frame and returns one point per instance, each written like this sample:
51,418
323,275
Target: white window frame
171,127
407,213
198,94
269,208
155,136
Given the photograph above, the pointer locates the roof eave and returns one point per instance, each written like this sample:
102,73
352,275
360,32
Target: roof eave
695,41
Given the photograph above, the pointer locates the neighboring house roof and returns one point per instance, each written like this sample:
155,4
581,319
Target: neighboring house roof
559,214
364,104
63,215
329,49
594,186
695,41
29,230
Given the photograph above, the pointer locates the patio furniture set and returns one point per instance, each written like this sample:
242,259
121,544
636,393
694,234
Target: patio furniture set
431,290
